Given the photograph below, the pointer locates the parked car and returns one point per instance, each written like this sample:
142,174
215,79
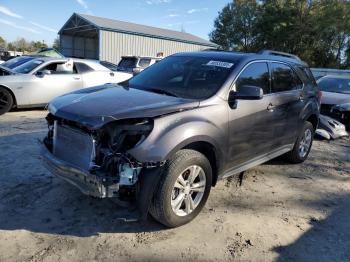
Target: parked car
136,64
341,112
335,91
39,80
169,134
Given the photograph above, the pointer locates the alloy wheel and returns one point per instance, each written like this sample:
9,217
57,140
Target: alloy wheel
188,190
305,143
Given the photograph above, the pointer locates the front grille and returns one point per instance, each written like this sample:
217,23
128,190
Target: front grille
73,146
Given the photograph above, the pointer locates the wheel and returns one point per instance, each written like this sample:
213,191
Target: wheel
303,144
183,188
6,101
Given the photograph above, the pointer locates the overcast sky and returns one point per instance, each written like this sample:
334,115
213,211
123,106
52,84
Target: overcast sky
41,19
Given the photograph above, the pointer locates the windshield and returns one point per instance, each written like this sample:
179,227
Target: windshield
17,61
336,85
184,76
110,66
28,67
128,62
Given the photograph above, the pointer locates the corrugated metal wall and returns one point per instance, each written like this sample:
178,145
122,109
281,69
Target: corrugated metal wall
113,45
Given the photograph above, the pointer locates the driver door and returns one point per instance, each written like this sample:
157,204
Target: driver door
52,80
251,122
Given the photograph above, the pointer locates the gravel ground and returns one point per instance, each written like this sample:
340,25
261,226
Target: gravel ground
281,212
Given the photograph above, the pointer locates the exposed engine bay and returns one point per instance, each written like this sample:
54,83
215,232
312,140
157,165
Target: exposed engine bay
101,155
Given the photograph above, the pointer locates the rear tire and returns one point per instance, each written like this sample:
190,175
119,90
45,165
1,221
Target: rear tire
6,101
183,188
303,144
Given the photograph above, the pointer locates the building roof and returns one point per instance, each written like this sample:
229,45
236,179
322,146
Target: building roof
137,29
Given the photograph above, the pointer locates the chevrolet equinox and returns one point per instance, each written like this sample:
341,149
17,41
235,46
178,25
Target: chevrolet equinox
161,140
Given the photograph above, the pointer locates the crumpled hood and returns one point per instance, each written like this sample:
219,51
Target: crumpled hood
96,106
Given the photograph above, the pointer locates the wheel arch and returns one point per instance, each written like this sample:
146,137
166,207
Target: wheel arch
313,119
209,151
12,94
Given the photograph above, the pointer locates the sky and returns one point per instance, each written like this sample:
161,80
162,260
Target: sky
40,20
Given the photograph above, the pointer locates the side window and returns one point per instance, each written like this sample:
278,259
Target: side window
144,62
283,78
83,68
256,74
60,68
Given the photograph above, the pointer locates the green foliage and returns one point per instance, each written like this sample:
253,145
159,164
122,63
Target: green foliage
56,43
318,31
2,42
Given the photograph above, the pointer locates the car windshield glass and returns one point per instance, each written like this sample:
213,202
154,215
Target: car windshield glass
336,85
128,62
28,67
184,76
17,61
110,66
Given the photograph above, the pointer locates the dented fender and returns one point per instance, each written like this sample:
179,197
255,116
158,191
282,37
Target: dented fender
174,132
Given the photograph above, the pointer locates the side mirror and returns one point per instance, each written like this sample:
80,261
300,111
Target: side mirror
43,73
247,93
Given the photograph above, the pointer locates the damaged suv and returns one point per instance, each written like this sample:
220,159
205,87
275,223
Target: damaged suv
165,137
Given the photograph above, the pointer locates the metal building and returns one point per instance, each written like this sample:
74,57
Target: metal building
88,36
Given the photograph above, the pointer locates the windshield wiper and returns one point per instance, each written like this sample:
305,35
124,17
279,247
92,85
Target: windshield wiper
160,91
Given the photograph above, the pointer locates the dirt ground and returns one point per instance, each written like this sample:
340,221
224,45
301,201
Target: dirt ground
282,212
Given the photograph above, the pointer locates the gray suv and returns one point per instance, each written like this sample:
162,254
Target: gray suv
163,139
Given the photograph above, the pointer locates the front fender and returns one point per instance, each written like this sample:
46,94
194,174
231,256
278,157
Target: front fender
171,133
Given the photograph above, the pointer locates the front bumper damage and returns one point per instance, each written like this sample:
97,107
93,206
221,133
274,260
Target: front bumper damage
89,184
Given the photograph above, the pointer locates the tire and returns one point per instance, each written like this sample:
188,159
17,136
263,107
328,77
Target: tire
184,163
297,155
6,101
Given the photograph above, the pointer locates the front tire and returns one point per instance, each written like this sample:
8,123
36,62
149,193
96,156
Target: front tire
183,188
6,101
303,144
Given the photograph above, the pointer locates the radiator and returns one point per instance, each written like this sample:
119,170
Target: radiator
73,146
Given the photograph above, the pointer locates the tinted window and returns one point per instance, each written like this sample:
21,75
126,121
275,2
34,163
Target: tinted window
336,85
144,62
256,74
184,76
283,78
83,68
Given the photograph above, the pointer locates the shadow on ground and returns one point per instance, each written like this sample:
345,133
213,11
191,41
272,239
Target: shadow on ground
327,240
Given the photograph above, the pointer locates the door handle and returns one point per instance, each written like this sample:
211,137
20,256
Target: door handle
76,78
301,98
270,107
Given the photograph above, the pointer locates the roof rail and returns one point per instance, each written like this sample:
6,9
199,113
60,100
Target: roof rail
278,53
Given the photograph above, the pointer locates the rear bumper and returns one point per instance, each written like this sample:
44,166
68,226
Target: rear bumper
89,184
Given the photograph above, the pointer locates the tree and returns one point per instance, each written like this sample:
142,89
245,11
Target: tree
316,30
236,25
56,43
2,42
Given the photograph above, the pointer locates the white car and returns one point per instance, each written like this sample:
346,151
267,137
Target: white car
41,79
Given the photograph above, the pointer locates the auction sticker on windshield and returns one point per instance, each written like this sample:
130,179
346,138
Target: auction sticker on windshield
220,64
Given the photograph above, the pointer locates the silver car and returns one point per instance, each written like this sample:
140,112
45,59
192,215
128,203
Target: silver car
335,91
38,81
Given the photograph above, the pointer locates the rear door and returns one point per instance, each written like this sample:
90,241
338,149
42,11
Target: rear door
251,123
288,102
